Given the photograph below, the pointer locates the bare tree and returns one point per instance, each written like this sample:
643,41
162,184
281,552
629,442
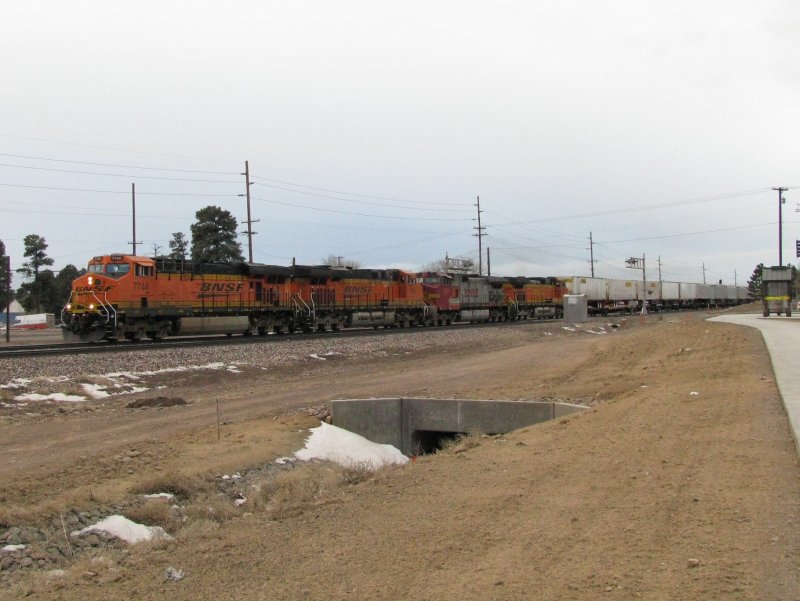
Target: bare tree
339,261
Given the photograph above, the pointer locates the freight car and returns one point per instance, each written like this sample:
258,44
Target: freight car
606,295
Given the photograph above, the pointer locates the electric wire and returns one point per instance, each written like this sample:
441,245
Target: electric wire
298,206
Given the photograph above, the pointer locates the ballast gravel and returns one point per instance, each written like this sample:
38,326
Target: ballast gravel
284,352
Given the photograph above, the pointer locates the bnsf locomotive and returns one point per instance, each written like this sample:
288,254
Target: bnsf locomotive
130,297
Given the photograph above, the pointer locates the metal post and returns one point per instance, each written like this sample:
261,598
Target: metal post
249,220
591,252
133,202
488,261
780,224
8,298
644,286
480,236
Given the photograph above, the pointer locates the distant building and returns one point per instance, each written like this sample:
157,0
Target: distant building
16,310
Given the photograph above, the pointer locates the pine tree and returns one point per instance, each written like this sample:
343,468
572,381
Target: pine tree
214,237
4,278
178,246
32,294
754,283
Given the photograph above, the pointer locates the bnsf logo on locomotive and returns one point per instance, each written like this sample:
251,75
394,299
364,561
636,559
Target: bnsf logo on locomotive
356,290
221,287
95,288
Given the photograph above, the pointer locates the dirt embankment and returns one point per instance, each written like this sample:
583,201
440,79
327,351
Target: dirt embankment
680,482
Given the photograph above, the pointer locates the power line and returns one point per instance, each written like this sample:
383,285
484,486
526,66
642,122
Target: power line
644,207
60,189
363,202
125,175
289,204
157,154
389,198
23,156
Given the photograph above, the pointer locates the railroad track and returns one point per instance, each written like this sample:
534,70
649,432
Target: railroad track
74,348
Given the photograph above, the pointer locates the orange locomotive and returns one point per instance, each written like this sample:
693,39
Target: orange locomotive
127,296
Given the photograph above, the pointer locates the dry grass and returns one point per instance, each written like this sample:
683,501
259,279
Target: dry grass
183,487
291,492
357,473
153,512
462,443
102,568
215,507
199,529
95,379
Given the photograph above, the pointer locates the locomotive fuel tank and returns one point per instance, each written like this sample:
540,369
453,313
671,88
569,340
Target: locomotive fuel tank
192,326
372,318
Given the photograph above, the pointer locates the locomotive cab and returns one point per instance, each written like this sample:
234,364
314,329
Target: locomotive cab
94,304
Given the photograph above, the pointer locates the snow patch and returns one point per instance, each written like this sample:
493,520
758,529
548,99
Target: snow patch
160,495
53,396
124,529
12,548
317,357
96,391
347,448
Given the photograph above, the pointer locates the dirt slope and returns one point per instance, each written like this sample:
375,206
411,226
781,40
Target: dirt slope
616,502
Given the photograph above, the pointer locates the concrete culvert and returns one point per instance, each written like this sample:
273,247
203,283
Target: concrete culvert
419,426
424,442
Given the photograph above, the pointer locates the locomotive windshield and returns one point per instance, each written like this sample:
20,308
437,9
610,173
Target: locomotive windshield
117,270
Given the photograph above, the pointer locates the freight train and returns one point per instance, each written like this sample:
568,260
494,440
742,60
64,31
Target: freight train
124,296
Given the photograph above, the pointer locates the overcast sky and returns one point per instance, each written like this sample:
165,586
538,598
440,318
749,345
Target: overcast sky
371,128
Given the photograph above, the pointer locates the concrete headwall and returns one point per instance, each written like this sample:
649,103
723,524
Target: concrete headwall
395,420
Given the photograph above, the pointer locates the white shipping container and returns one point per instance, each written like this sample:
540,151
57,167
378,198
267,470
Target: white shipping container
594,288
743,292
731,293
623,290
718,292
688,291
670,290
653,291
704,291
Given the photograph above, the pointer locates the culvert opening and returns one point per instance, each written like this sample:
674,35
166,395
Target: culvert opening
425,442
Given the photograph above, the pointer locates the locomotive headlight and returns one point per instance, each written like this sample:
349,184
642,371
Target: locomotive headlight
69,306
90,280
91,307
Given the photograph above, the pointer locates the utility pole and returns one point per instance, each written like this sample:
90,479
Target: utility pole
156,248
659,268
734,278
480,236
704,273
488,261
780,224
249,221
8,298
133,203
591,253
